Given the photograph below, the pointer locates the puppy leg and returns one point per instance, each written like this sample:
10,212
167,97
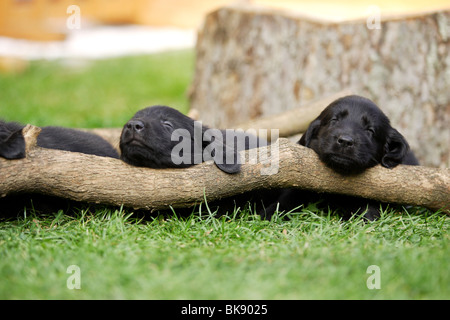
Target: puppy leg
287,200
350,206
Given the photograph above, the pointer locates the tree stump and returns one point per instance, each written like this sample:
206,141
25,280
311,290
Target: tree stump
254,62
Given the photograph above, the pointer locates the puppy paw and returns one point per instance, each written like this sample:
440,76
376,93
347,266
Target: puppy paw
267,213
372,213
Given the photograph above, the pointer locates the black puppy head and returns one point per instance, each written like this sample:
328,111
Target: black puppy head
152,138
12,143
353,134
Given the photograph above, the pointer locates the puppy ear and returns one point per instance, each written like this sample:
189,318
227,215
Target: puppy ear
12,146
395,149
229,168
310,133
225,157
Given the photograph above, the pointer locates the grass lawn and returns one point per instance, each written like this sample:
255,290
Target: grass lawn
98,94
117,255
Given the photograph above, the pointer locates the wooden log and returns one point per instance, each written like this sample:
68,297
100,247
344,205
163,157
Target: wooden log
256,62
95,179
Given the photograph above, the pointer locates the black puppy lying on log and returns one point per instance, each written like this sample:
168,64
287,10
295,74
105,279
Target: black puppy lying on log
162,137
350,135
12,146
12,143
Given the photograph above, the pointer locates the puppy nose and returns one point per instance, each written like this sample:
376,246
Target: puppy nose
345,141
135,125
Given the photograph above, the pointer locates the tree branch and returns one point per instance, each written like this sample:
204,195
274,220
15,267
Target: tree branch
95,179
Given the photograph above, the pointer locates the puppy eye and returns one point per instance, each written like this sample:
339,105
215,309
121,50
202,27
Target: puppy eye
333,121
370,131
167,124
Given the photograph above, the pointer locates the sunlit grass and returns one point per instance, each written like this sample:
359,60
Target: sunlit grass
103,93
238,256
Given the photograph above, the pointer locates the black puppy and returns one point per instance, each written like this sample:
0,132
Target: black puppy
12,143
350,135
353,134
162,137
12,146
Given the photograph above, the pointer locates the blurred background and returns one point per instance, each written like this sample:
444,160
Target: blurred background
94,63
47,19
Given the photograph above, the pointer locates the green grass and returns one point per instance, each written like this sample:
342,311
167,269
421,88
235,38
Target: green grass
233,257
103,93
312,255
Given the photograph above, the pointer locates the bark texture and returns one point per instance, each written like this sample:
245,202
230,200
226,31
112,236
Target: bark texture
110,181
254,62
